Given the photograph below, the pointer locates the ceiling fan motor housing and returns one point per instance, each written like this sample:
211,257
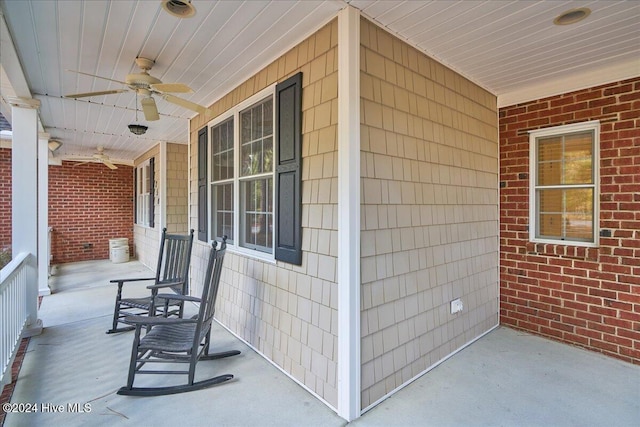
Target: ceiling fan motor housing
141,80
144,63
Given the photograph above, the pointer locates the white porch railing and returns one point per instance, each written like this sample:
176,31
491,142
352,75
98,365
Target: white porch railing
13,311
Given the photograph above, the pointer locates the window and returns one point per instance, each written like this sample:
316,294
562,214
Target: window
254,174
144,193
564,184
242,170
222,160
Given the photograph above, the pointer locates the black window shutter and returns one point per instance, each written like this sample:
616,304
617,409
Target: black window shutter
289,170
152,191
202,184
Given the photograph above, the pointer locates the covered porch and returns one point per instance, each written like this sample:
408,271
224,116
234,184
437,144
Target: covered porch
367,323
505,378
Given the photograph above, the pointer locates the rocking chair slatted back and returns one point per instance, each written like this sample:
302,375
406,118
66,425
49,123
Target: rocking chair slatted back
173,264
172,272
210,290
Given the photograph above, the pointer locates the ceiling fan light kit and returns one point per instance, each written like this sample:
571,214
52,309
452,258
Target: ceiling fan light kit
138,129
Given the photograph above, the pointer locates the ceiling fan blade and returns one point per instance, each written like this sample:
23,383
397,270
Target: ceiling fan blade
78,163
171,87
110,165
98,77
104,92
186,104
149,109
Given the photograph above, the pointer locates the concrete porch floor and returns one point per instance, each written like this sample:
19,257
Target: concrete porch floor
507,378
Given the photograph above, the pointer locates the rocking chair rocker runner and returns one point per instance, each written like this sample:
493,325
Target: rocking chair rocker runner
172,272
175,340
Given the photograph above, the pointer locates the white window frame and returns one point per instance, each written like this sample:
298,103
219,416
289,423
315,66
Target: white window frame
237,179
143,198
534,135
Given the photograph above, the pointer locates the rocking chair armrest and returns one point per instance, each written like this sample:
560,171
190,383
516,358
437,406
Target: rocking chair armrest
120,281
167,284
178,297
150,321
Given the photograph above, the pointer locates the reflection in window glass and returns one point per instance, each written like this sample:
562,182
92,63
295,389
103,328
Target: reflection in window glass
222,186
564,186
242,177
257,211
256,189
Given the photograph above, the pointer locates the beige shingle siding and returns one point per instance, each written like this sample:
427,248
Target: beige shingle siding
177,188
288,312
429,215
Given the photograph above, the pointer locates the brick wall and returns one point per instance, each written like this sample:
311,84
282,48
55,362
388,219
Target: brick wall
584,296
5,199
88,205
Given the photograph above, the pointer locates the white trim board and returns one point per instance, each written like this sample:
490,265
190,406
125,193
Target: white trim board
578,81
349,362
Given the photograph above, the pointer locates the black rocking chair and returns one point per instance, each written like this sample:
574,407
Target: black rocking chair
174,340
172,272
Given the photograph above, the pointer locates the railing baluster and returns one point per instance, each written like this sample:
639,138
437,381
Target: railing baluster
13,311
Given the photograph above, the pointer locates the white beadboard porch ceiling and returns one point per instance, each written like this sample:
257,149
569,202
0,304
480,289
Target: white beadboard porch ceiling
510,48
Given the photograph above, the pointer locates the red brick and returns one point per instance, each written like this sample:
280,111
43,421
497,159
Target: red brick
87,188
596,290
5,198
604,346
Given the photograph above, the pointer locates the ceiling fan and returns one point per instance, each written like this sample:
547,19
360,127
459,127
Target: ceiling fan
146,86
98,156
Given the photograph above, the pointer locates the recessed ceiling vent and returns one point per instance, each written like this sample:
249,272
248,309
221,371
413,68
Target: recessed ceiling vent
572,16
181,9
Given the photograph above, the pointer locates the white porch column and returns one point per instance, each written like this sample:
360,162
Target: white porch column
43,214
349,364
24,204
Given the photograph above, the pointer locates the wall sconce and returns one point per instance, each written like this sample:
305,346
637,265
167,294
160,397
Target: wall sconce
54,145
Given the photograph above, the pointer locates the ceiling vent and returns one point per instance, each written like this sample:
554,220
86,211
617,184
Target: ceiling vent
180,9
572,16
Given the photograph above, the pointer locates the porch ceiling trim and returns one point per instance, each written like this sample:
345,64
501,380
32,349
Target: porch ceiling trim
553,87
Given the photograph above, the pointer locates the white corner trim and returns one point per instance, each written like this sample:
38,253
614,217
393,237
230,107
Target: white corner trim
430,368
189,182
349,364
570,83
274,364
43,214
162,184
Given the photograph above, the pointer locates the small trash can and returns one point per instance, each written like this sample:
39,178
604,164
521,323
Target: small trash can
119,250
119,254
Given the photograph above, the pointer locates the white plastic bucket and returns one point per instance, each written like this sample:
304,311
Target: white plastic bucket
114,243
117,243
119,254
